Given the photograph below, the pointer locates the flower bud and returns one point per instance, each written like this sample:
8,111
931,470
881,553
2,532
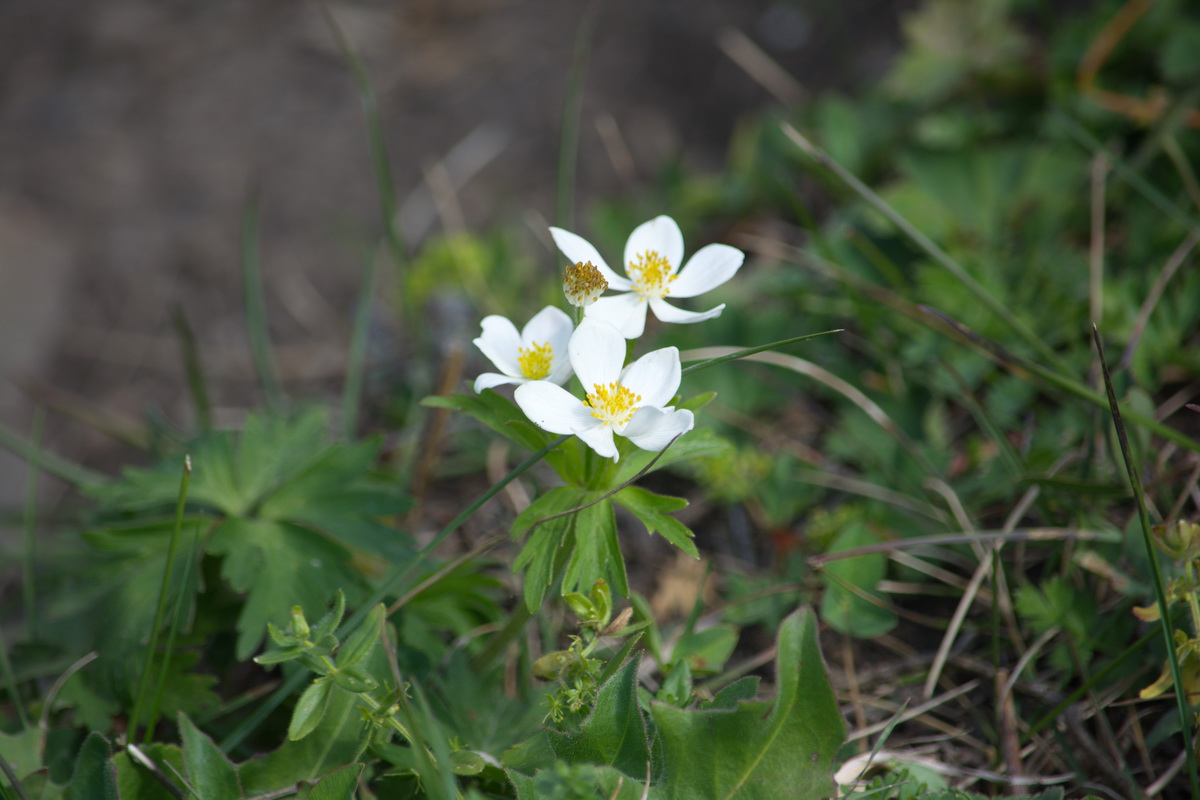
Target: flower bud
583,284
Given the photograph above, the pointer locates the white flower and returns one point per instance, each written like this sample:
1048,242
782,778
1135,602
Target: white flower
653,256
630,402
538,352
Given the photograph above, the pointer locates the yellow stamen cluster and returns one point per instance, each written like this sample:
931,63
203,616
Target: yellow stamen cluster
651,275
535,361
583,284
612,403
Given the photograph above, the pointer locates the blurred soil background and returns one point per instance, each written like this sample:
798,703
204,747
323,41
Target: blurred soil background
133,133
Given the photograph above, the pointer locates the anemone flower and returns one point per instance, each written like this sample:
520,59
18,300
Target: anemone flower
653,255
537,353
629,402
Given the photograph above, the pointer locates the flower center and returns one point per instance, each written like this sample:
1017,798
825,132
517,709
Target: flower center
583,284
535,360
612,403
651,275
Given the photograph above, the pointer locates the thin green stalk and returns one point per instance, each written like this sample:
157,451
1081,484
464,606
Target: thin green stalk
81,478
177,622
389,586
29,549
932,250
749,351
1186,717
568,143
197,386
256,309
160,608
10,683
356,358
377,141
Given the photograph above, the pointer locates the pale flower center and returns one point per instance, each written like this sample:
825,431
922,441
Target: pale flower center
612,403
583,284
651,275
535,361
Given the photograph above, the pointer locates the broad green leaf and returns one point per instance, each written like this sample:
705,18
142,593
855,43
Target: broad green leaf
209,772
334,743
338,784
134,782
614,733
847,580
706,650
310,709
278,565
95,776
22,752
652,510
760,749
597,554
742,689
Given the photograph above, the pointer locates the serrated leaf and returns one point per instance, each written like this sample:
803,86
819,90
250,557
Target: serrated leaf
614,733
338,784
310,709
210,774
652,510
95,776
278,565
597,554
550,504
760,748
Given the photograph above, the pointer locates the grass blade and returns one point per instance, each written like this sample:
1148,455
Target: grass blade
356,357
1186,718
932,250
191,365
749,351
160,609
256,309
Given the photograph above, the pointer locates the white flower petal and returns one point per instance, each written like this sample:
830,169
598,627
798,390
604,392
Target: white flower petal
600,439
707,269
597,352
625,312
552,408
489,380
579,250
661,235
553,327
500,343
655,376
669,313
653,428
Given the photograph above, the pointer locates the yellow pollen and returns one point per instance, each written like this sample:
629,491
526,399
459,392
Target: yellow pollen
651,275
612,403
583,283
535,360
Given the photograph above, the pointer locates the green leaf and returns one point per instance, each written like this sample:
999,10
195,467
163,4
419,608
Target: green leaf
134,782
209,772
310,709
553,502
760,749
22,752
742,689
652,510
849,581
95,776
360,643
706,650
538,555
694,444
338,784
677,688
498,413
336,742
597,554
614,733
278,564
